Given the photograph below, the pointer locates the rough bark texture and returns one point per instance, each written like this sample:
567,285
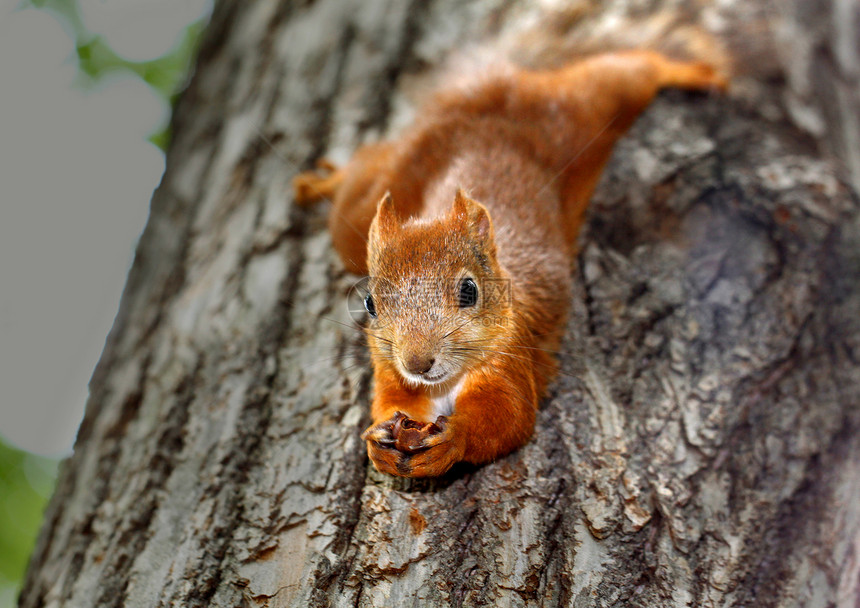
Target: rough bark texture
700,447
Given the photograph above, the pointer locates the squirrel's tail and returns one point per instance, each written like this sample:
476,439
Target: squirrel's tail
550,38
560,36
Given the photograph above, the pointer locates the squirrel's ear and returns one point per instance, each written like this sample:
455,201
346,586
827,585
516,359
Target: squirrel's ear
473,215
385,221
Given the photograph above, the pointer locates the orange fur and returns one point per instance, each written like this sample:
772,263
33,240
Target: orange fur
530,146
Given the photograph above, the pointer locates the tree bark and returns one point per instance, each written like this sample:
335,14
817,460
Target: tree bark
699,447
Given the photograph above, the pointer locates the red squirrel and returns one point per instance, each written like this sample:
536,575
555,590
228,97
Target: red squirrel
467,226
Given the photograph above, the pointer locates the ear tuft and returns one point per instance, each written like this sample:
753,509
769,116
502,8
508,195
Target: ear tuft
473,216
460,210
482,227
385,221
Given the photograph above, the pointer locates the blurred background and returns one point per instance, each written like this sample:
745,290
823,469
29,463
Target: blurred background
86,88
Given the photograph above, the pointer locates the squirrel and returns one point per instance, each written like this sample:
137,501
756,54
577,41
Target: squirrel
467,225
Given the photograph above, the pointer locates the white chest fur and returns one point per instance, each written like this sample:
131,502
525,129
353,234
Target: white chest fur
443,405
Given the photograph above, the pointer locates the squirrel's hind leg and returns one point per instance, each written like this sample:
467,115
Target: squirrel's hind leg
365,181
322,184
355,189
691,75
613,88
604,95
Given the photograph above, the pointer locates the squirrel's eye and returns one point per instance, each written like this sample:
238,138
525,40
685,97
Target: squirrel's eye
468,293
369,305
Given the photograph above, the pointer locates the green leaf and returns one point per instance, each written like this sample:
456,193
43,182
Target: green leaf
25,483
161,138
96,60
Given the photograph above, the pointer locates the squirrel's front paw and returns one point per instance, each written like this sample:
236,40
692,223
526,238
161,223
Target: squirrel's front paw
408,448
383,433
381,442
437,449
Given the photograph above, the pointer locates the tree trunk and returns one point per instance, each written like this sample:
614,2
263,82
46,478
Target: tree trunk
698,449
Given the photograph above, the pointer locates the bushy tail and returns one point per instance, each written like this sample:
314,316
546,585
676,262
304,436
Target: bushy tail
556,37
545,37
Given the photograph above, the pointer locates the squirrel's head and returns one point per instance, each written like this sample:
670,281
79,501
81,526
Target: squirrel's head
437,296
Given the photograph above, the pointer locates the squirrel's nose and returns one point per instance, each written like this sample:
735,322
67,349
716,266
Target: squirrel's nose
418,364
